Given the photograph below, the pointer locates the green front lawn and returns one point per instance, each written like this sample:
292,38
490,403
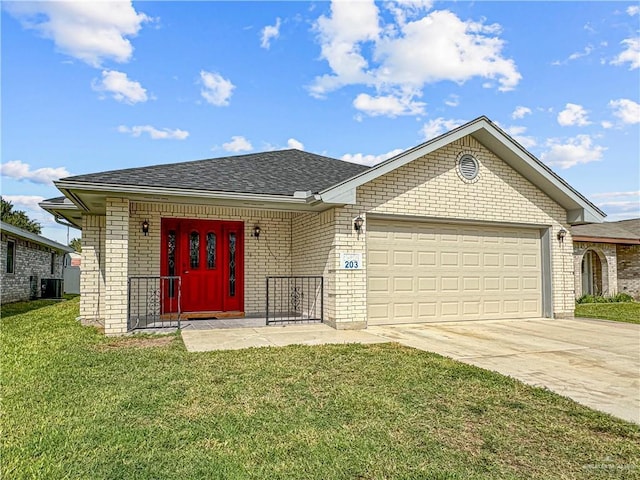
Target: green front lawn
621,312
76,404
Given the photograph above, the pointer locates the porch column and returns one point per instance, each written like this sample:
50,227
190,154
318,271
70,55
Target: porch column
92,285
116,265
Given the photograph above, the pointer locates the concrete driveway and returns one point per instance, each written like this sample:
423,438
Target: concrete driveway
594,362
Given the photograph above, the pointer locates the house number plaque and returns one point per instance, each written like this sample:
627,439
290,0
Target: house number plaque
350,261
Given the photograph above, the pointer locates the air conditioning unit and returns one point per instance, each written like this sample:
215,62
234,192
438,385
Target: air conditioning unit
51,288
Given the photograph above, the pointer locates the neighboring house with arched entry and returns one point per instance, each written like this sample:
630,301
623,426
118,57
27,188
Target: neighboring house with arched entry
607,258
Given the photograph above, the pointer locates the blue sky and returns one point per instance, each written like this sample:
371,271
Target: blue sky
92,86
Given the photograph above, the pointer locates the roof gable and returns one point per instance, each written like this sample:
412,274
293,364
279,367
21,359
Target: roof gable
579,209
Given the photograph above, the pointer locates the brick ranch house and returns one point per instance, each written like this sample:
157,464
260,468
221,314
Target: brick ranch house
607,258
28,264
466,226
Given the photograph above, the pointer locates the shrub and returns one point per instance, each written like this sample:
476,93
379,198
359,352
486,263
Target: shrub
622,298
618,298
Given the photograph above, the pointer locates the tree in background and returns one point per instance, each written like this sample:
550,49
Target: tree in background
18,218
76,244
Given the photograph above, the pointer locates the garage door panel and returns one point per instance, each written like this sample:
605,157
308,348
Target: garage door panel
471,259
449,259
431,272
491,259
510,260
403,284
471,284
450,284
378,285
426,258
402,258
427,311
404,312
378,257
427,285
530,261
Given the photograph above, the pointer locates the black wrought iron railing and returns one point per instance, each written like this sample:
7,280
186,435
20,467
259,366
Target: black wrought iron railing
296,299
153,302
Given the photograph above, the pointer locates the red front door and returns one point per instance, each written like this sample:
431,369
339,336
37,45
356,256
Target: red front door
208,256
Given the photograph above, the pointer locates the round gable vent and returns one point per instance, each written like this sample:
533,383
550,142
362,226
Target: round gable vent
468,167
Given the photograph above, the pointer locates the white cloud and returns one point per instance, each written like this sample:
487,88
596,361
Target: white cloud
24,201
398,59
576,55
270,32
520,112
238,144
341,36
293,143
407,9
154,133
452,101
626,110
630,55
585,53
438,126
574,151
606,124
22,171
517,133
215,89
573,115
633,10
89,31
388,105
120,87
610,195
370,159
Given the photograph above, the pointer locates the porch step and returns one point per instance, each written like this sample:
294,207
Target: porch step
212,314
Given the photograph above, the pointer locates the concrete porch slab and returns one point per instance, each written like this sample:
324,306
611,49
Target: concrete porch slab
273,336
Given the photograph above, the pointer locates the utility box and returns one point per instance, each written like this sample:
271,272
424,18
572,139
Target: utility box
51,288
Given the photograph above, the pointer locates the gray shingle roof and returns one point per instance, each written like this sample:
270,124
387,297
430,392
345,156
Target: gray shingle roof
627,229
281,172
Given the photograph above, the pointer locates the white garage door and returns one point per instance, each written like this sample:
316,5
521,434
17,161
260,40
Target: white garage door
422,272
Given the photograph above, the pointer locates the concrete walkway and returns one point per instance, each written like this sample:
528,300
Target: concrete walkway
272,336
594,362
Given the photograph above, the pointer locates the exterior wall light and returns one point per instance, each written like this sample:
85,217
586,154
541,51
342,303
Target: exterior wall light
145,227
256,231
561,234
357,224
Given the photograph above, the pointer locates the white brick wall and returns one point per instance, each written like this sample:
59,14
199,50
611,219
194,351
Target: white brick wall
430,187
270,254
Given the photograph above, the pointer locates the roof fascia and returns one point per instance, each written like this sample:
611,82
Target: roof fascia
68,187
19,232
586,238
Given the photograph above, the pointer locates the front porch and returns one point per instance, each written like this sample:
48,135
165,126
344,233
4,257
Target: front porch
156,303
